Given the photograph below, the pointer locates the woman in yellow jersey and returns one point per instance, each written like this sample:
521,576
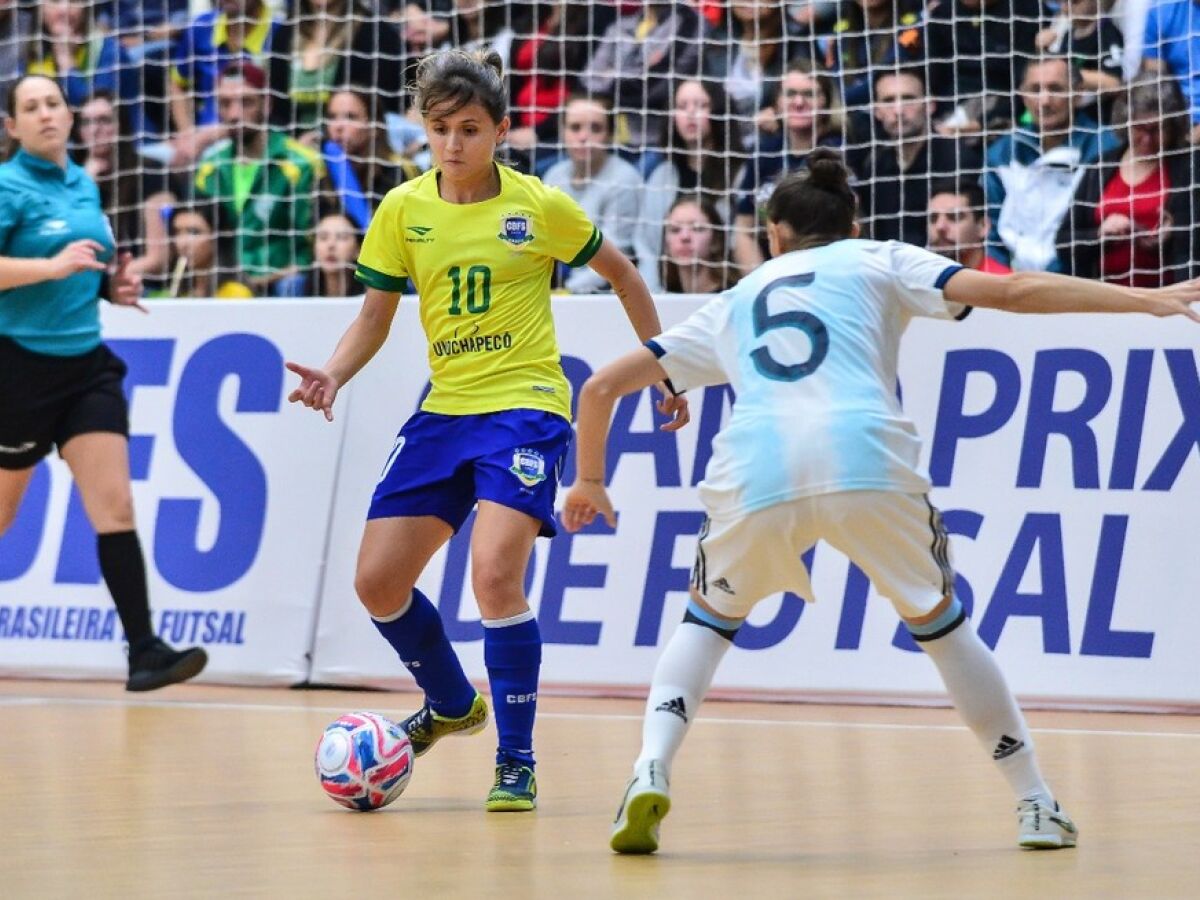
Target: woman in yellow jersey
480,242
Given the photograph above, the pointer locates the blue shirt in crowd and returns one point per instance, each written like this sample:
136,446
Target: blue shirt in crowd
1173,37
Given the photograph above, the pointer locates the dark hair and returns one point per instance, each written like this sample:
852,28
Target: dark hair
1074,73
1155,100
12,90
121,187
910,71
457,78
962,187
716,163
603,102
718,255
204,210
817,204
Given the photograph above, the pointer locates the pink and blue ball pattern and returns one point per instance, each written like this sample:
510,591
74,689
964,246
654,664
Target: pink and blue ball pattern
364,761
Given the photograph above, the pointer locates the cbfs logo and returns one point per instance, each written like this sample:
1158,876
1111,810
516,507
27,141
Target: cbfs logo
529,466
514,228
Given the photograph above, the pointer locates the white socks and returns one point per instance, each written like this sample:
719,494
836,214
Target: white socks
681,679
982,697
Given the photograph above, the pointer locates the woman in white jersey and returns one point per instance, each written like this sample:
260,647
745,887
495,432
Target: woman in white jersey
818,448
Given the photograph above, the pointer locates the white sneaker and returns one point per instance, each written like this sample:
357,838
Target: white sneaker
644,805
1041,827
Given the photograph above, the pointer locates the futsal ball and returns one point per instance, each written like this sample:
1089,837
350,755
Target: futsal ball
364,761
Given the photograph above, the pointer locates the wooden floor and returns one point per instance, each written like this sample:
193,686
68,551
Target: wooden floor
210,792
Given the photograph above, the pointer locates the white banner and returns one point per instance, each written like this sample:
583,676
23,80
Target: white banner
232,490
1063,451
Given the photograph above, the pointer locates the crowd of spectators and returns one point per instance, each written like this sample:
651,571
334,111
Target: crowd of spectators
241,148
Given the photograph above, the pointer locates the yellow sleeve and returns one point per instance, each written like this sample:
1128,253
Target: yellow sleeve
380,263
571,236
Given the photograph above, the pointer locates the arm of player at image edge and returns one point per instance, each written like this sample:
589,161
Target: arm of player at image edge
319,387
588,498
615,267
1046,292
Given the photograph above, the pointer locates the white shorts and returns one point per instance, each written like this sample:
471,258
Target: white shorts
897,539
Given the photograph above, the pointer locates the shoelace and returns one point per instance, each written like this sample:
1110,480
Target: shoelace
423,722
508,775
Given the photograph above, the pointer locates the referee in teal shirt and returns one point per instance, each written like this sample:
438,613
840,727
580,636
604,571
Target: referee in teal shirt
59,385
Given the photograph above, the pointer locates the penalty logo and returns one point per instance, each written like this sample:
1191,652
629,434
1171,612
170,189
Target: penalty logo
514,228
529,466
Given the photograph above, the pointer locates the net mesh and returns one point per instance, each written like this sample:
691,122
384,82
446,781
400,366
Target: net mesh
1006,134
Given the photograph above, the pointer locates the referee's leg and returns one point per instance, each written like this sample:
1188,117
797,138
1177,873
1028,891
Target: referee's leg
13,484
99,462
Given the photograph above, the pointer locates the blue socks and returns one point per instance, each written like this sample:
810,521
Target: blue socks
512,652
417,635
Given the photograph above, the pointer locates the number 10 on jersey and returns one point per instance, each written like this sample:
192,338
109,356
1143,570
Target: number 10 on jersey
478,289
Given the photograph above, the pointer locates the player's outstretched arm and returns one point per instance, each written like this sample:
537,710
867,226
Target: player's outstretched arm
362,340
1046,292
587,497
614,267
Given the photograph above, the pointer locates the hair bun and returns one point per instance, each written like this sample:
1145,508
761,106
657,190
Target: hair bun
827,171
492,60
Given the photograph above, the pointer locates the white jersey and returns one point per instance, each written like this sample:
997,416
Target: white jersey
809,342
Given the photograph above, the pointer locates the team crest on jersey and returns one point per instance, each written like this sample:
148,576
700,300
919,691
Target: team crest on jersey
514,229
529,466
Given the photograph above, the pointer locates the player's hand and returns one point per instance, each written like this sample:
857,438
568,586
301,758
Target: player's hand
125,286
77,256
584,501
317,389
1176,299
674,405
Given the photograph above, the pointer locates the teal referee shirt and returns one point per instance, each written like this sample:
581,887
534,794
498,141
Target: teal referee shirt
42,209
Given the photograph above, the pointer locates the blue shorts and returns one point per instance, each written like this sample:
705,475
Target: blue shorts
440,465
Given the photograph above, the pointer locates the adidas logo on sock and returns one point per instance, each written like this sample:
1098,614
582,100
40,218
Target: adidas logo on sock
675,706
723,585
1007,747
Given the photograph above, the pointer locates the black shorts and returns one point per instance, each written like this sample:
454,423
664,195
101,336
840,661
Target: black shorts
47,400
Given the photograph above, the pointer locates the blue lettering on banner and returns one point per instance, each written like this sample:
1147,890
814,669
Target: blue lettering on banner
204,626
562,574
763,637
58,623
1040,533
1043,420
1099,638
662,577
953,424
662,445
1131,420
19,546
1182,365
228,468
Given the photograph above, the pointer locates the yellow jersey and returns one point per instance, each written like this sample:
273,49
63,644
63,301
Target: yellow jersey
482,272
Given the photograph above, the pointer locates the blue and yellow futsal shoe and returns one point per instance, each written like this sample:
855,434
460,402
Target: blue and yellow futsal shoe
645,804
515,789
425,727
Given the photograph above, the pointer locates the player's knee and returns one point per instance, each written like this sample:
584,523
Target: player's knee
379,594
497,586
114,511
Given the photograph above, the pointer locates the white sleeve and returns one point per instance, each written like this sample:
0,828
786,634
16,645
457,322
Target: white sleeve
688,351
920,276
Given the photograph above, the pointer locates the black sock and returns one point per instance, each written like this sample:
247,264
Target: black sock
124,572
